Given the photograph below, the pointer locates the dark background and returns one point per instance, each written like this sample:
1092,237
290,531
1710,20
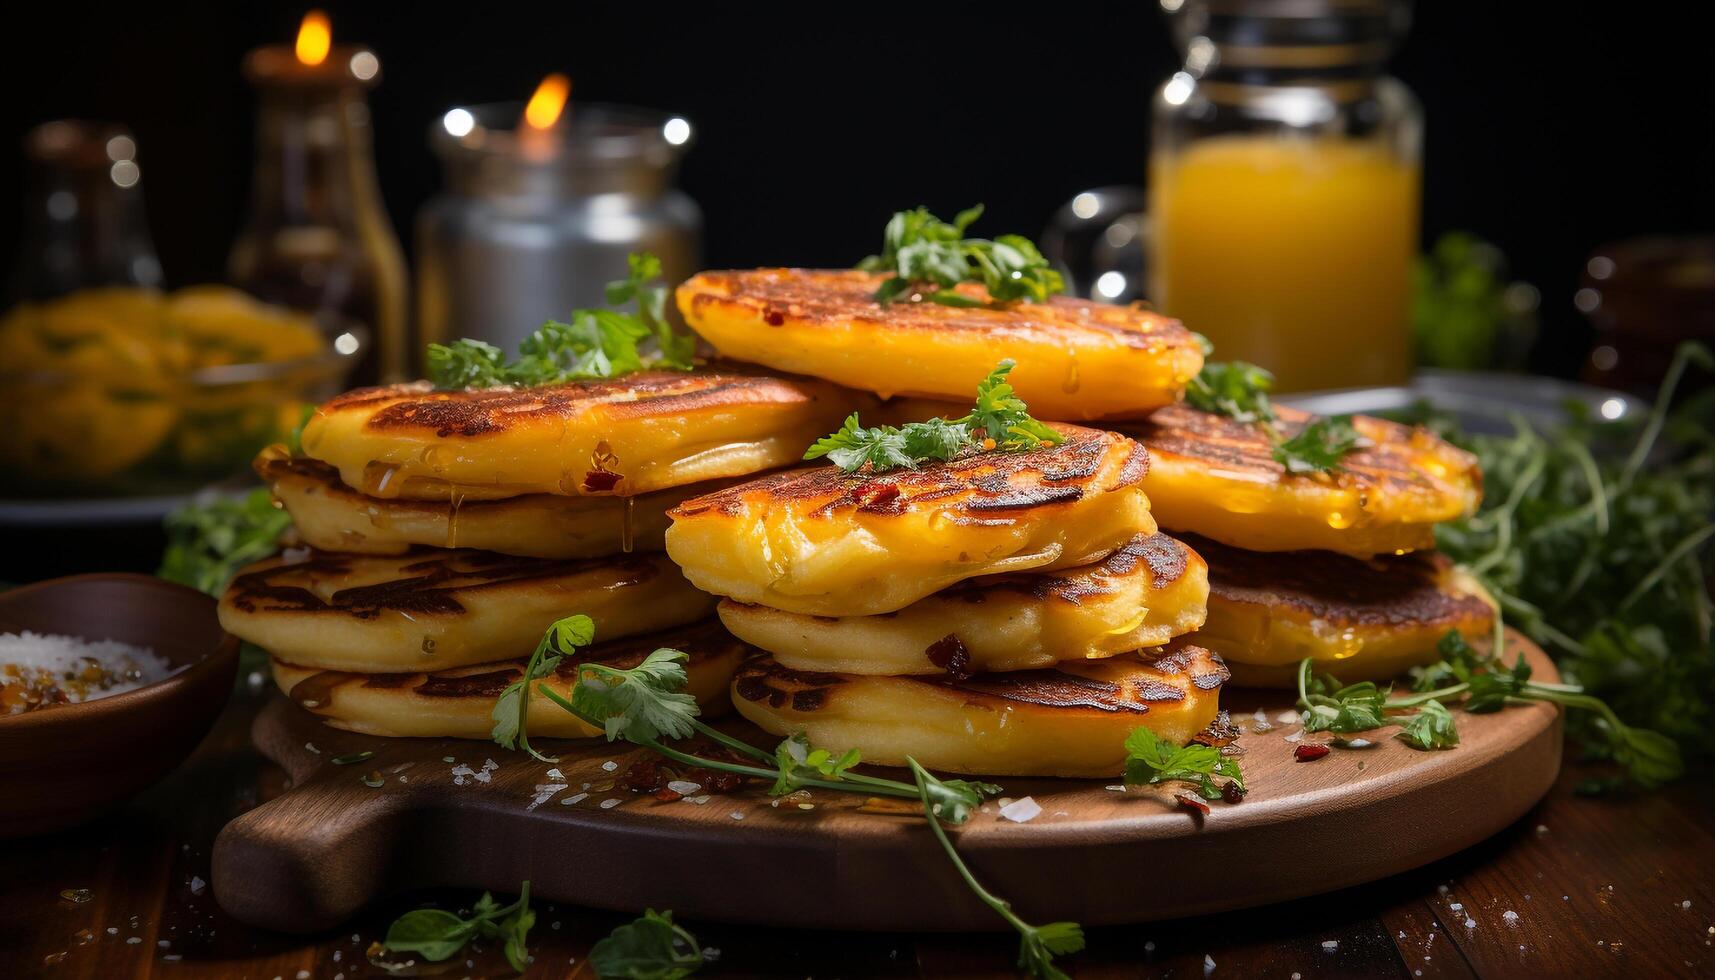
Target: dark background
1549,135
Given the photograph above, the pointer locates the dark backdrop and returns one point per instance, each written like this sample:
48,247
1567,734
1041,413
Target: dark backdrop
1547,134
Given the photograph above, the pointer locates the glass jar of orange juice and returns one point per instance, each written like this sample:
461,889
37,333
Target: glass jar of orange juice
1283,189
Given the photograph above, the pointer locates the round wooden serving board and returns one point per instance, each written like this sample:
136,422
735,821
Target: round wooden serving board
317,854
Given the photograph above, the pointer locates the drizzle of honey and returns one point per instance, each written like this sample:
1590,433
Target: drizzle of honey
625,527
455,500
316,690
377,476
1070,384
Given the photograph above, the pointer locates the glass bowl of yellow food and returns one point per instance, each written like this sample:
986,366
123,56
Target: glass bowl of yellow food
124,391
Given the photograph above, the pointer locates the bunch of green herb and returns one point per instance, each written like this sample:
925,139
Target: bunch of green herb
1465,311
999,420
436,934
647,705
208,541
652,948
593,343
1151,760
929,257
1239,390
1480,682
1604,559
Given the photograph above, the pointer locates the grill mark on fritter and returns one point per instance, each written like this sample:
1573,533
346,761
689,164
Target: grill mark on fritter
988,483
761,679
476,412
829,298
425,587
1205,667
1166,559
1216,440
700,642
1392,590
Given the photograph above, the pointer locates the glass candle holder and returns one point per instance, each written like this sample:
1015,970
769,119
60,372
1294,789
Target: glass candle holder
84,223
317,237
534,222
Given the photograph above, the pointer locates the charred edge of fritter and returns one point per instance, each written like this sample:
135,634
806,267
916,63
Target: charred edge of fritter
1044,476
426,586
818,297
484,411
1182,656
700,642
1411,590
762,679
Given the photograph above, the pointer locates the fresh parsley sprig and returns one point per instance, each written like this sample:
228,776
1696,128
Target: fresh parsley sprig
657,708
1240,391
591,343
1480,682
436,934
998,420
647,705
208,541
512,709
929,257
652,948
1150,760
1037,945
1596,541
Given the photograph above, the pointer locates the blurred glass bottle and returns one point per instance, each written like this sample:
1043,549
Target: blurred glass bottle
84,223
1284,188
318,237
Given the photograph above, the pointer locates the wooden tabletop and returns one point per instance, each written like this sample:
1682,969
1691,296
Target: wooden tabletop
1580,886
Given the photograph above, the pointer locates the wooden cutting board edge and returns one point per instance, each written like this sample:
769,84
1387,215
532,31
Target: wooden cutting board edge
328,846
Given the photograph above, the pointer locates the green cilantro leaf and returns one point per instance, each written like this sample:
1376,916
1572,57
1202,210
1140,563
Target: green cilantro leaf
591,343
1038,947
928,256
953,800
1150,759
1321,446
998,414
436,934
1431,728
651,948
643,703
208,542
1331,707
1235,389
512,709
798,759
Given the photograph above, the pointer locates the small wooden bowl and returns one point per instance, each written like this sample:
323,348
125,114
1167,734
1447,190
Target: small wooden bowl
63,765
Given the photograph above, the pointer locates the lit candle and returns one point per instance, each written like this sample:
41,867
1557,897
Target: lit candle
313,59
538,137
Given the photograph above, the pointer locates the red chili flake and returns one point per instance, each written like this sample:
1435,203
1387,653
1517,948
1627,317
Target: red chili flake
951,655
1190,802
1232,792
875,493
600,481
1309,753
668,796
773,318
644,776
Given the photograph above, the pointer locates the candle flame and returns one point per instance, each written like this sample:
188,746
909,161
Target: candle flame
315,37
548,102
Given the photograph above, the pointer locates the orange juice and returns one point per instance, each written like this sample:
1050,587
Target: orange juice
1294,253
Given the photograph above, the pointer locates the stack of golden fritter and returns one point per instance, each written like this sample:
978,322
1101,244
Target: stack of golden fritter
826,571
444,531
1001,613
